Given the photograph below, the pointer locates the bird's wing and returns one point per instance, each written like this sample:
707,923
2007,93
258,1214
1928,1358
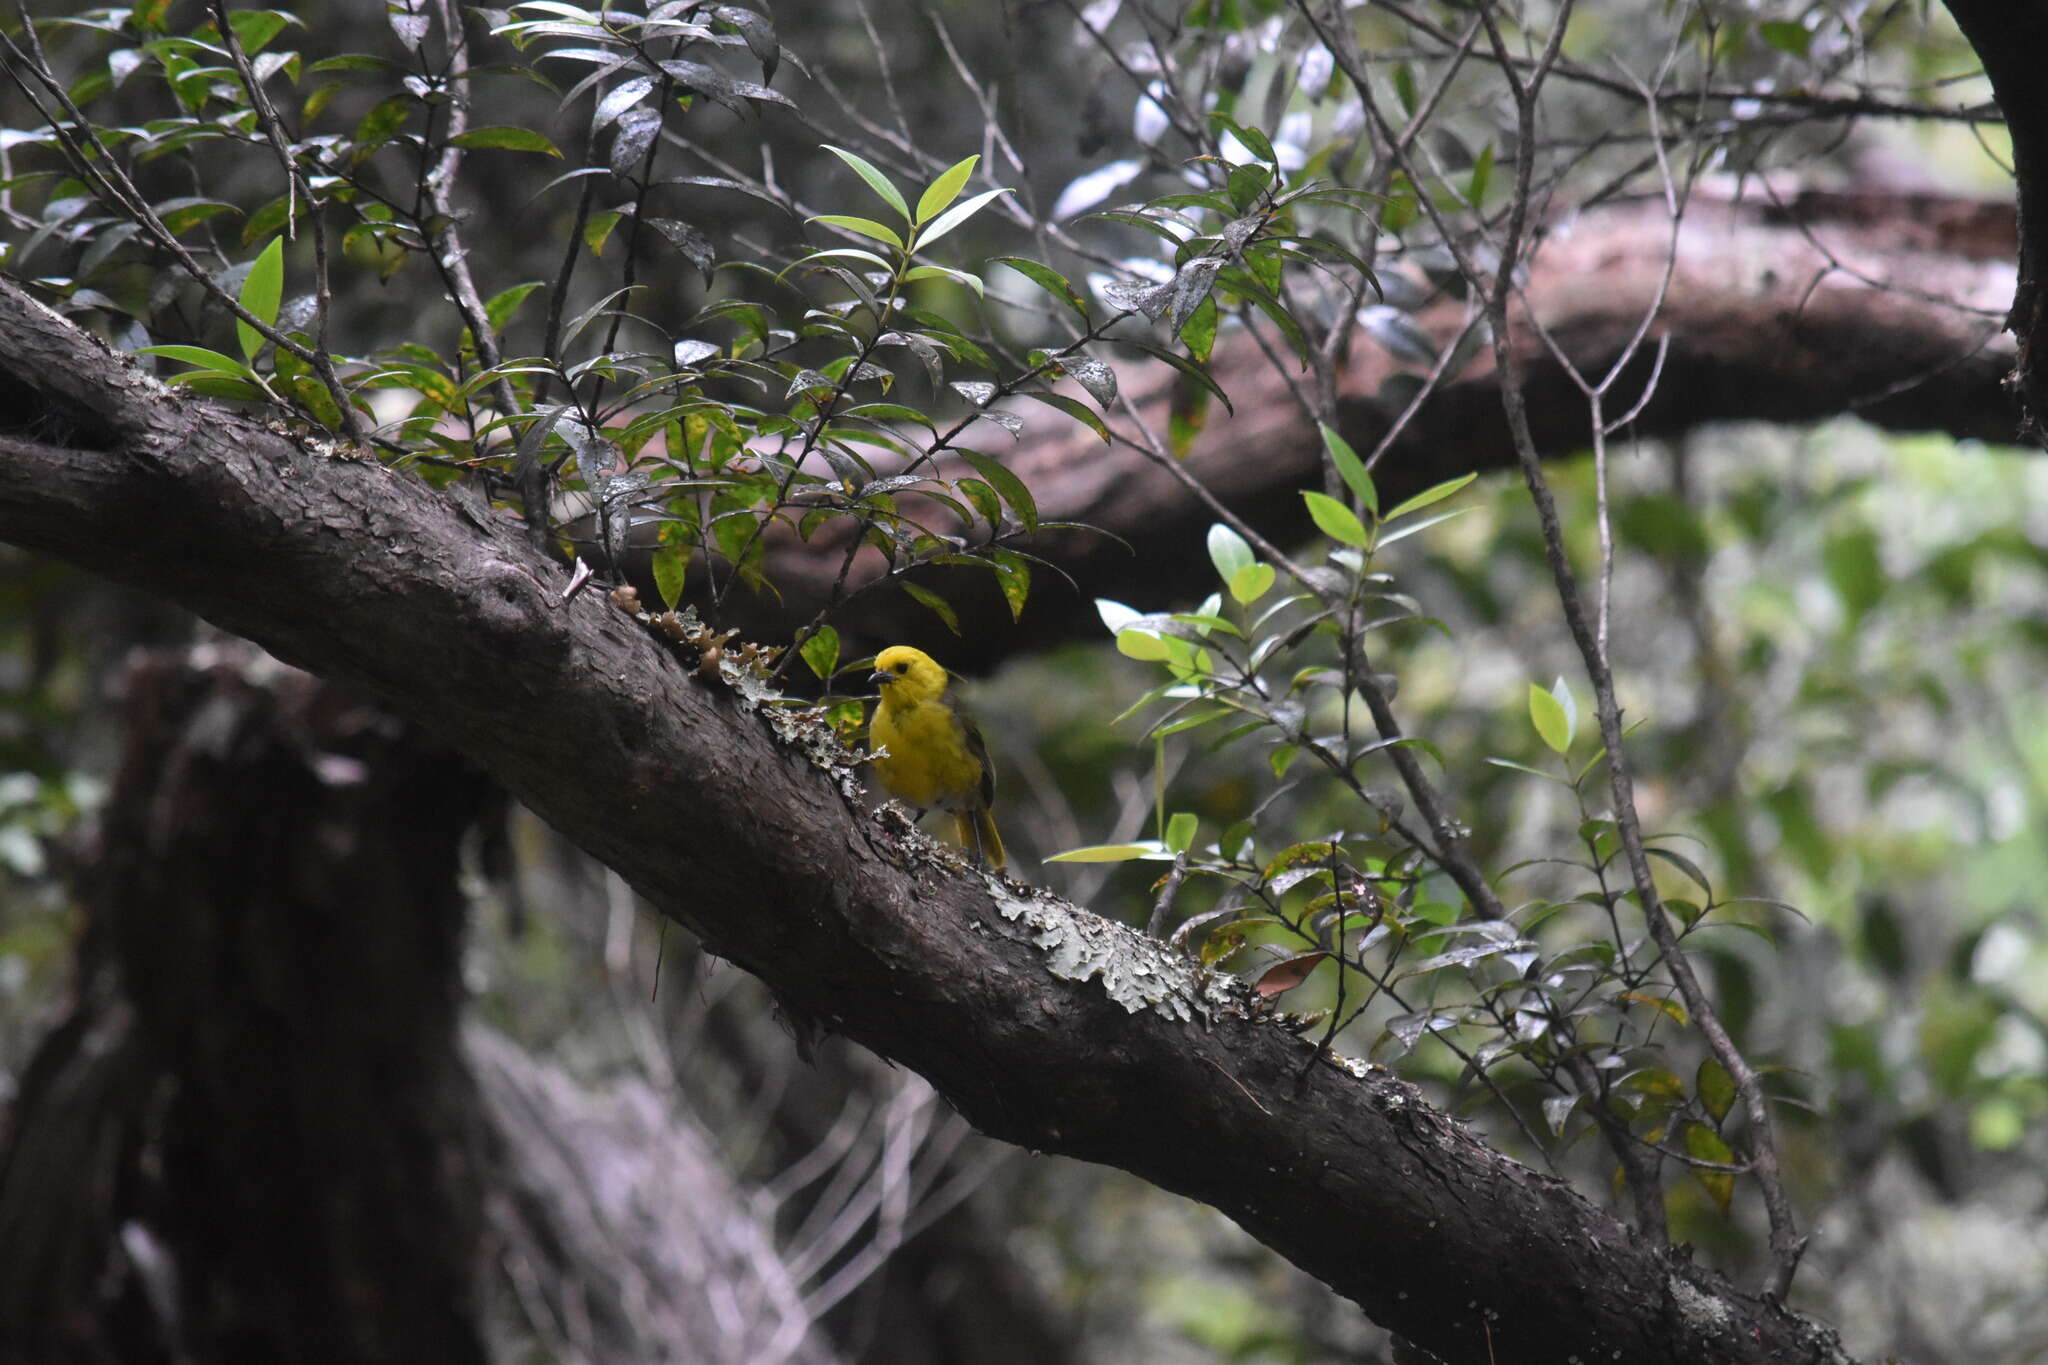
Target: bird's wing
978,746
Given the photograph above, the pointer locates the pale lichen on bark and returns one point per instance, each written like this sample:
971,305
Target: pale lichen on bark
1136,972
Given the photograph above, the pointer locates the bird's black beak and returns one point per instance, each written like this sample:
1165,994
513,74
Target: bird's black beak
880,676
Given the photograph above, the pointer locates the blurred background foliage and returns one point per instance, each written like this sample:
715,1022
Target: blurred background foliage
1830,640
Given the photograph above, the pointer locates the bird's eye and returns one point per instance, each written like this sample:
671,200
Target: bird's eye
903,668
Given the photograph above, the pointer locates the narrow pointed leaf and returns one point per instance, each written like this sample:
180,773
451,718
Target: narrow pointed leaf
954,217
941,193
261,293
877,182
1335,520
1352,470
1430,495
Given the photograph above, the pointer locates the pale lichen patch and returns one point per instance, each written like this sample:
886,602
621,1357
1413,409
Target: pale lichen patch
1136,972
744,670
804,729
1703,1312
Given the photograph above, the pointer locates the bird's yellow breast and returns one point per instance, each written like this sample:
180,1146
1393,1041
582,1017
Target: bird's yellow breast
929,762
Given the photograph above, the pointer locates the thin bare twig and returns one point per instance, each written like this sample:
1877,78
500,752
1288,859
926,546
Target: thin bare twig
1786,1244
1638,1168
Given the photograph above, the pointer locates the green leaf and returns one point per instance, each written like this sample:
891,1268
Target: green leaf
1715,1087
1198,333
1229,552
1301,854
1525,768
943,191
1563,696
1143,645
1684,864
358,61
1189,371
984,499
1671,1009
1048,279
268,219
1254,141
1194,722
1655,1080
1108,853
843,253
1074,408
262,291
866,227
1482,172
1352,470
1704,1144
1553,727
821,651
599,227
1400,533
182,215
368,246
1854,570
1115,615
255,28
385,118
671,566
939,606
506,302
1245,184
1009,485
1013,576
1180,831
506,139
1335,520
1251,583
214,384
1787,37
1433,494
877,182
946,272
954,217
203,358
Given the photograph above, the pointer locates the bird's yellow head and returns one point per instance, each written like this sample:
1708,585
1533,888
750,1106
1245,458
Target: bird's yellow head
907,676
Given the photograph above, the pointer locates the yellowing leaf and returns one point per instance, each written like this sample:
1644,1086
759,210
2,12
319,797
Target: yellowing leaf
1548,717
1335,520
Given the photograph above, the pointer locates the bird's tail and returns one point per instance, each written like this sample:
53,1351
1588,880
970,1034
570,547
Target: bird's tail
976,830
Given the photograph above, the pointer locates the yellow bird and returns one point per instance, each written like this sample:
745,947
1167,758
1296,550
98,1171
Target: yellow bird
936,756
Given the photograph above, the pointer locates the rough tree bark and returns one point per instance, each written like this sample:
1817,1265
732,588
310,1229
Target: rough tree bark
2012,42
252,1136
258,1133
1042,1024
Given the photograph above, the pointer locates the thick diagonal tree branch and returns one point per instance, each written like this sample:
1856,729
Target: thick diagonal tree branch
1043,1024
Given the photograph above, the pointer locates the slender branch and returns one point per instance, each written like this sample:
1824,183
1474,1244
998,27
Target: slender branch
1786,1245
442,227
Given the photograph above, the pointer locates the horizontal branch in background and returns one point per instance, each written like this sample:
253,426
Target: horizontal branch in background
2013,45
1044,1025
1881,305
